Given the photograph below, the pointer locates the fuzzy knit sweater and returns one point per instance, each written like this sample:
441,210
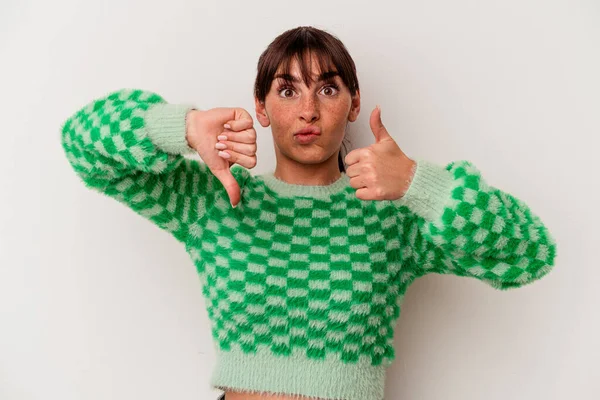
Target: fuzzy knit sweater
303,284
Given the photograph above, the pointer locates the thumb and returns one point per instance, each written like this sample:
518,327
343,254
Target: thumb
230,184
377,127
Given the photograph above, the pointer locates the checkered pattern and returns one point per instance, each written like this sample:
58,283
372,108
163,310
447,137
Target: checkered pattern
108,144
319,278
319,275
479,232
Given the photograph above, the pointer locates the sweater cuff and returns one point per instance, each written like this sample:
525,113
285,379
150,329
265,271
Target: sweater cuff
429,192
166,124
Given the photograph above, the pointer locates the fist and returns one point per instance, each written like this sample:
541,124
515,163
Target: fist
222,137
381,171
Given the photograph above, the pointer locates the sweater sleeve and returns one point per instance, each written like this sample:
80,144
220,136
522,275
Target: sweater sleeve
458,224
130,145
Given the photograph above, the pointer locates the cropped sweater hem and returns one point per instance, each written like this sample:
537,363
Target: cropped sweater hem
330,379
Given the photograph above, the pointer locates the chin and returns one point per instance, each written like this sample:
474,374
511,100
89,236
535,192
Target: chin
310,158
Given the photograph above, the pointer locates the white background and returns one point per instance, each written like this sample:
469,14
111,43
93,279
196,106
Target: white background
97,303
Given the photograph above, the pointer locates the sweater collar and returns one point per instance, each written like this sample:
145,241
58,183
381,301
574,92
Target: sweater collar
285,189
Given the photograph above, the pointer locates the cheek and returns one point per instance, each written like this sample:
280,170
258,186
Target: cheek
337,114
280,116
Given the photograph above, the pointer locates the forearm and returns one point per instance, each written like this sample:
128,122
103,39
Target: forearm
483,231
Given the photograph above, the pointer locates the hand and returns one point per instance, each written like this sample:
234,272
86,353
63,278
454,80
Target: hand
203,131
380,171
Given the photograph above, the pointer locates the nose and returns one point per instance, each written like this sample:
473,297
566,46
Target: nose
309,109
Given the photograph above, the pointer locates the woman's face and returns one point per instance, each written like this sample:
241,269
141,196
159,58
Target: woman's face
326,104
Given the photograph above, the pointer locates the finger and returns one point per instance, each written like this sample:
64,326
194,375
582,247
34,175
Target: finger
365,194
241,113
358,182
238,158
230,184
243,148
239,125
353,170
245,136
353,157
377,127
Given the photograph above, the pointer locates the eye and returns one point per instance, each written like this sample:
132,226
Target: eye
330,90
286,91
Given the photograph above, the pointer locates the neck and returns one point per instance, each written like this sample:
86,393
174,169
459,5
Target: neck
294,172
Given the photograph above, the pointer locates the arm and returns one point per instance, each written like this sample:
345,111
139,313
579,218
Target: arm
460,225
129,145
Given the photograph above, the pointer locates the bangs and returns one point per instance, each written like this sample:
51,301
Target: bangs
305,62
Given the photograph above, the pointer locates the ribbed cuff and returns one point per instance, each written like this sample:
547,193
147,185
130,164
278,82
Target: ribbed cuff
429,192
166,124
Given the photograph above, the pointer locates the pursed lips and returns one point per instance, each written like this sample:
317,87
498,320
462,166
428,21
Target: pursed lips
308,131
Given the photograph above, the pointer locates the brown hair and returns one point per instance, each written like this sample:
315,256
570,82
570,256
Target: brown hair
296,44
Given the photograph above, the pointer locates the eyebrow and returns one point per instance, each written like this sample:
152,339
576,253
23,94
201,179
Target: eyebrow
323,77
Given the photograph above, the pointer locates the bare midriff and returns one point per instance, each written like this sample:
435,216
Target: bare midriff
260,396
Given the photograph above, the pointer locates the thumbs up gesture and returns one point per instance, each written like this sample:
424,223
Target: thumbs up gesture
380,171
212,131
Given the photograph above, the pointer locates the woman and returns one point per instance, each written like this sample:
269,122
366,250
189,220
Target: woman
304,278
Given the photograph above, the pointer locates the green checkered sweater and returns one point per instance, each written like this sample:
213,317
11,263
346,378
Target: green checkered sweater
303,284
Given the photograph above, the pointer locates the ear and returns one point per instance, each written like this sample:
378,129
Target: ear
355,107
261,113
